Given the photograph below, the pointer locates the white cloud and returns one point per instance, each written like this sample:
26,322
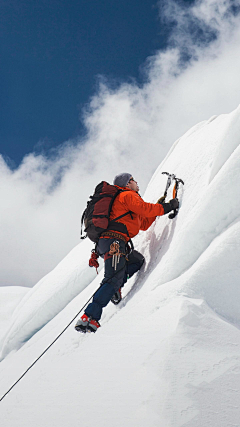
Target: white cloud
129,129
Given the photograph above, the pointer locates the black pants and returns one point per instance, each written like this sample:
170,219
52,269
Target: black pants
113,279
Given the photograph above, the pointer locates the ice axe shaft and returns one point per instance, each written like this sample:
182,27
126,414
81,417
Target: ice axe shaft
169,181
175,191
176,186
178,181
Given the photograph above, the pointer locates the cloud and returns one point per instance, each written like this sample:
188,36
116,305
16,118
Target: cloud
130,127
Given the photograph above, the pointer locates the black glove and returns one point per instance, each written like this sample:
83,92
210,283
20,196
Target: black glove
170,206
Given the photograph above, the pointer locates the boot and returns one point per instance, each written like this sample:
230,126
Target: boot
117,297
87,324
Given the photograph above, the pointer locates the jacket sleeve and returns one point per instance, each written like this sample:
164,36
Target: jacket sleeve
135,203
146,222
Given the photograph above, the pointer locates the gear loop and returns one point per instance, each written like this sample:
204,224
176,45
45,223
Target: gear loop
115,253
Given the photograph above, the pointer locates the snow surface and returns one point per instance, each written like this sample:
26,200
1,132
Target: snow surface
10,297
169,353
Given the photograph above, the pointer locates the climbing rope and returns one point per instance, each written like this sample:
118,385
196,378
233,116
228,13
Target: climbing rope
50,345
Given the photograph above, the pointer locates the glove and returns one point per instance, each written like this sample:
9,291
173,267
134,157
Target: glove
170,206
161,200
174,203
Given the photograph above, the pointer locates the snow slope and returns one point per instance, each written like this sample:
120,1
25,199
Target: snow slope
49,296
169,354
10,297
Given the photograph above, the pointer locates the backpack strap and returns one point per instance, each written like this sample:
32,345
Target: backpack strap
121,216
119,226
126,213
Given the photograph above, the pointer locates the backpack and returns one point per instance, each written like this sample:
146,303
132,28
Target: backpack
97,213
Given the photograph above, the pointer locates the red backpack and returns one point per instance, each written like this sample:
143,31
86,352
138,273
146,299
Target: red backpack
97,213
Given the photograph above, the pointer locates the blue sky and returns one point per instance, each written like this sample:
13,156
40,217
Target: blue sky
51,54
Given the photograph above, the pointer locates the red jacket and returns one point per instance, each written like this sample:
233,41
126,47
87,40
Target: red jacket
143,214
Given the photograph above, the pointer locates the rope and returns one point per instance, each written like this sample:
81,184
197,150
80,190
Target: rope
50,345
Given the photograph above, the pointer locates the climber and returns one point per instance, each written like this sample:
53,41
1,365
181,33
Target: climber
120,260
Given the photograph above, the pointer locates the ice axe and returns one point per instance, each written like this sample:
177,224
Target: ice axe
169,181
175,190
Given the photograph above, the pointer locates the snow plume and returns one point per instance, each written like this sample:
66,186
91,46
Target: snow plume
129,127
199,24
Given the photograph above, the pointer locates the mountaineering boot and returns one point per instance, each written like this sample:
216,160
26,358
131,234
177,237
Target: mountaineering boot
82,324
117,297
86,324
